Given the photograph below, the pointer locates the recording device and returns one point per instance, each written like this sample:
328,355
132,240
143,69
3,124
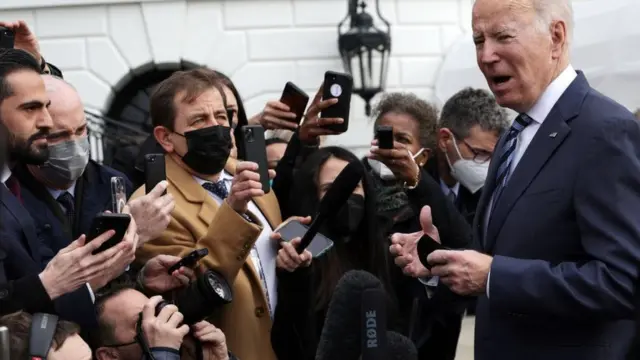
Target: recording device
337,85
5,343
427,245
118,194
373,317
293,229
296,99
256,151
108,221
154,171
400,347
197,301
333,200
342,334
384,134
7,38
190,260
42,330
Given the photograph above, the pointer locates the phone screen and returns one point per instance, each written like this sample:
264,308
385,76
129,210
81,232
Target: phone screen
293,229
118,194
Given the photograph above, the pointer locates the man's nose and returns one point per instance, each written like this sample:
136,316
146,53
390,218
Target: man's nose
44,121
487,53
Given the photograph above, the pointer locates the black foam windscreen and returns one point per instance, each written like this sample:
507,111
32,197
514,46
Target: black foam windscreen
341,334
373,317
43,327
337,195
400,347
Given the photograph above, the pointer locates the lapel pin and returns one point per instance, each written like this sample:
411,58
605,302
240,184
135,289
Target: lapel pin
553,134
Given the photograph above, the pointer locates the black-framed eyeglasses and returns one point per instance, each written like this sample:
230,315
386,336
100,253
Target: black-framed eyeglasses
479,156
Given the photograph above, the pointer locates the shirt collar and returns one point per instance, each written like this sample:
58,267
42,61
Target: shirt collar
446,189
552,94
6,173
224,176
57,192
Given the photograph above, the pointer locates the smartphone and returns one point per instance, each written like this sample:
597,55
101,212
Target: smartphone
337,85
255,150
118,194
384,134
105,222
293,229
7,38
154,171
295,99
190,260
427,245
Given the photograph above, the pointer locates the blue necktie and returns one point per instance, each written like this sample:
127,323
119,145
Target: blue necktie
218,189
507,153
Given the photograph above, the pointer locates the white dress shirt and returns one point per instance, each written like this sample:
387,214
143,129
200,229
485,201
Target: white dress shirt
267,251
538,113
56,193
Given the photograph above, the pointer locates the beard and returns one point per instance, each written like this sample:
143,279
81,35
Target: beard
27,152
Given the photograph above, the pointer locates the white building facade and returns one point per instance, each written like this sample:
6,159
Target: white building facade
100,45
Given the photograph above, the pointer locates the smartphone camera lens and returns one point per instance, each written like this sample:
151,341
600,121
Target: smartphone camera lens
248,134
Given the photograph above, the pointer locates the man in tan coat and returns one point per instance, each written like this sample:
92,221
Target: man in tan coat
220,206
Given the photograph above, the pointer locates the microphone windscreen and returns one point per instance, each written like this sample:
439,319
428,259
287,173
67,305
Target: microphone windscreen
341,334
341,189
374,324
400,347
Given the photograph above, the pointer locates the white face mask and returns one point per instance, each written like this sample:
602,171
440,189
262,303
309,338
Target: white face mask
468,172
383,171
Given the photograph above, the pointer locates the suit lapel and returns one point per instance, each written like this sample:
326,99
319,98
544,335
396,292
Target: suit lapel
21,215
548,138
487,192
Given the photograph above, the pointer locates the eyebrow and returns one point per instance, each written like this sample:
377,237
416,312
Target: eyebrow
34,103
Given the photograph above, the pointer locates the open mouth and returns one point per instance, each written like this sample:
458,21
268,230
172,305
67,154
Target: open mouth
499,80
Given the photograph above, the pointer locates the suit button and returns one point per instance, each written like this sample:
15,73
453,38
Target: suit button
246,246
4,293
239,258
259,311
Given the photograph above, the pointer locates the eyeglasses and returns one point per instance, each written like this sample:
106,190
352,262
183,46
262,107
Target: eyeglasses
120,345
479,156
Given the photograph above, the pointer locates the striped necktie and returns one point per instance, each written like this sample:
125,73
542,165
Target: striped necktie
507,152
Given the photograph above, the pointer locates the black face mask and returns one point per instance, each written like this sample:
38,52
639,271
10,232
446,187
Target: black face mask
208,149
348,219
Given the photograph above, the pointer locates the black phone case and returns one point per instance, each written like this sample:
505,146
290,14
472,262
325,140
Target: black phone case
427,245
341,109
109,221
384,134
154,171
296,99
7,38
256,151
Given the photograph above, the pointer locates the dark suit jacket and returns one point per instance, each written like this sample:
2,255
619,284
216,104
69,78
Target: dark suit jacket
92,196
22,254
466,202
565,237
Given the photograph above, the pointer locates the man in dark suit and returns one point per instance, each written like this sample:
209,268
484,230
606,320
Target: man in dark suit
67,191
23,111
557,228
470,124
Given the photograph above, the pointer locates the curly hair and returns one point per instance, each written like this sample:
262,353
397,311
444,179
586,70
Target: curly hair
470,107
425,114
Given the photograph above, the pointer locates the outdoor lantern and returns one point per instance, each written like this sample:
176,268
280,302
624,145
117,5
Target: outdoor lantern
365,51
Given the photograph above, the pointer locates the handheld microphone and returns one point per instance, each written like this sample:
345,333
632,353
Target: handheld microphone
5,344
374,324
400,347
333,200
341,335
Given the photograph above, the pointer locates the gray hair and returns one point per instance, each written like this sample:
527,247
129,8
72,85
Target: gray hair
424,114
470,107
552,10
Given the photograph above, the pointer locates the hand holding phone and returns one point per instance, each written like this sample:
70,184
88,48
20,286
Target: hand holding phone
427,245
190,260
295,229
339,86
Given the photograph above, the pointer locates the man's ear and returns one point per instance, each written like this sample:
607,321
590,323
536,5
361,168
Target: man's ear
162,134
444,136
